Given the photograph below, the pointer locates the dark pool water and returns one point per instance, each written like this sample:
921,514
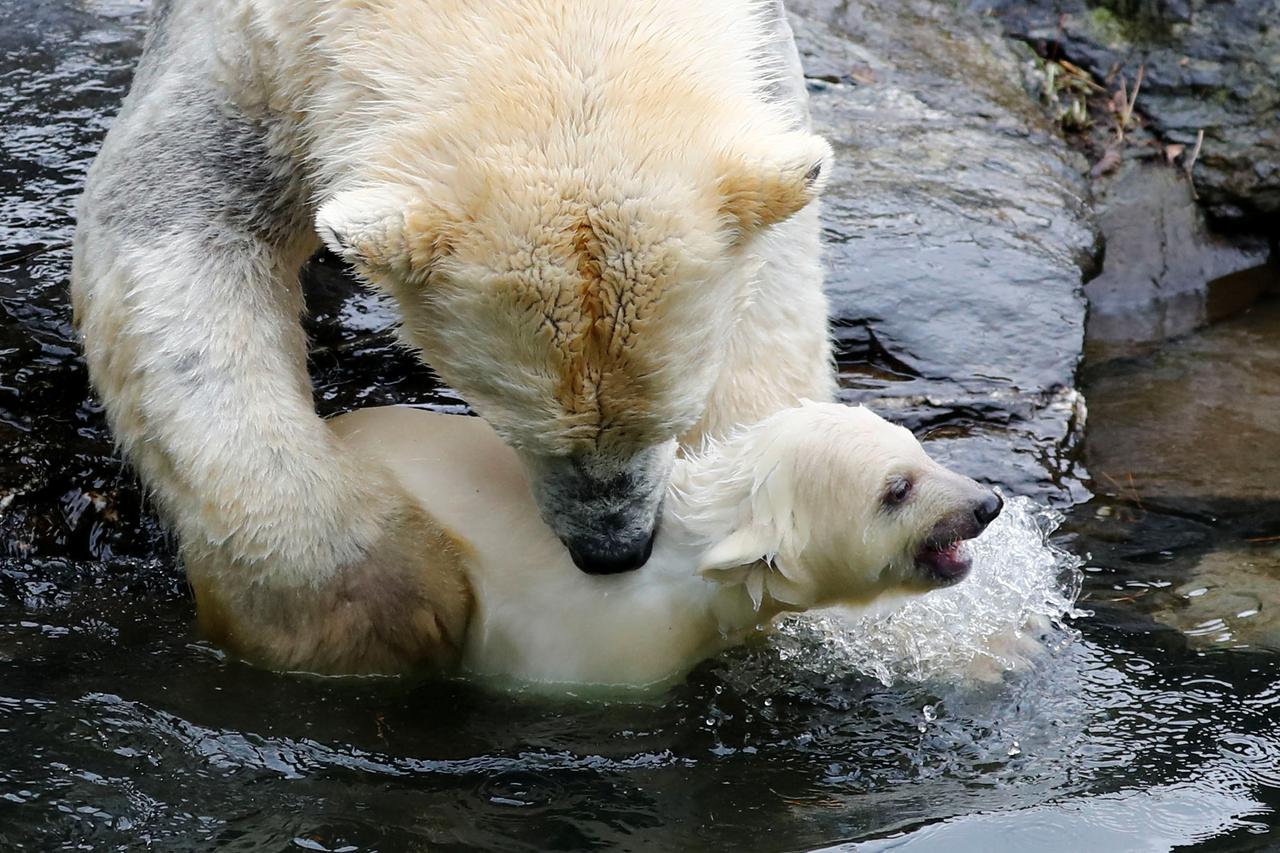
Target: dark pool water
1148,720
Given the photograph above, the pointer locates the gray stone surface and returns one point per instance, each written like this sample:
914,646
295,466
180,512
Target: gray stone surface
957,229
1210,66
1195,426
1165,272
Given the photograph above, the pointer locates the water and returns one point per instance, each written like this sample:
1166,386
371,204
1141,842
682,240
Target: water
119,725
1009,612
983,718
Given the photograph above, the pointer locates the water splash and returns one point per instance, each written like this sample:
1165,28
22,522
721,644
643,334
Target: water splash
1011,610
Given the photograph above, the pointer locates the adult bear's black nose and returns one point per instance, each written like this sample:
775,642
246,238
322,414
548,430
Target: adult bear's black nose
610,559
988,509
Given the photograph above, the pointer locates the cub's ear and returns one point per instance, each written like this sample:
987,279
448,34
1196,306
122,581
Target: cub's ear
382,228
759,190
763,552
757,558
738,551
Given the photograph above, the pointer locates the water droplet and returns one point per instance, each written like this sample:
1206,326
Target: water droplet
1004,617
930,713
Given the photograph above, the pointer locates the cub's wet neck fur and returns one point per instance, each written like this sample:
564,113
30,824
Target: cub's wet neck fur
731,502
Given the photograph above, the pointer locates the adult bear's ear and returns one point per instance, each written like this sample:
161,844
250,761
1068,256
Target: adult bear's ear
382,228
762,189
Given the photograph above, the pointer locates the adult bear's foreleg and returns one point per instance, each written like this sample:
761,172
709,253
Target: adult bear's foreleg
190,234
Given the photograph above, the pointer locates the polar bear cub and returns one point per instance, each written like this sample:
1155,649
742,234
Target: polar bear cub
817,505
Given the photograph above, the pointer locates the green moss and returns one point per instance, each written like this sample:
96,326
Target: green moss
1108,27
1126,21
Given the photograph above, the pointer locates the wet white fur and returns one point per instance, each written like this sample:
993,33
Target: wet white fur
781,516
187,293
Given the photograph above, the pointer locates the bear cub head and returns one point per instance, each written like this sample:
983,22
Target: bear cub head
827,504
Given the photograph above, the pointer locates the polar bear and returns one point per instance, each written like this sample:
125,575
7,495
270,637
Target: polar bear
597,218
816,505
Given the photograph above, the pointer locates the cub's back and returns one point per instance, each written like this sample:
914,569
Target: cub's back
538,618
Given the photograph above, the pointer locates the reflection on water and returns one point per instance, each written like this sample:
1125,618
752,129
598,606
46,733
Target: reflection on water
978,719
1196,421
1184,445
1157,819
117,725
1231,598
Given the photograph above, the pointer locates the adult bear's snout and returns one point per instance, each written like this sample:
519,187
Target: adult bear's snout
604,508
613,558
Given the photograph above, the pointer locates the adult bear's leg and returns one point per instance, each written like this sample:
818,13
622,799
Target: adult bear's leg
781,350
191,230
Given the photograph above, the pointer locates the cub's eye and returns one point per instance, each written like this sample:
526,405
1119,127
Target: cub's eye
899,490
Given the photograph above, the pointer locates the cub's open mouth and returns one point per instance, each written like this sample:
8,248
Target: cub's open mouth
946,563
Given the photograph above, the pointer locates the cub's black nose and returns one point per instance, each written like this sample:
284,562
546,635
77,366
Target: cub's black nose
988,509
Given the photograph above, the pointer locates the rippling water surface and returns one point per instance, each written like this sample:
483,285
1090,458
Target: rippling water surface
119,725
1105,680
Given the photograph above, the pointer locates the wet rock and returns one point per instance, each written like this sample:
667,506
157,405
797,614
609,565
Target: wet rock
958,230
1194,427
1165,273
1209,66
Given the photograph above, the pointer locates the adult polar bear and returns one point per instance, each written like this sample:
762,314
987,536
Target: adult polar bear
595,217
